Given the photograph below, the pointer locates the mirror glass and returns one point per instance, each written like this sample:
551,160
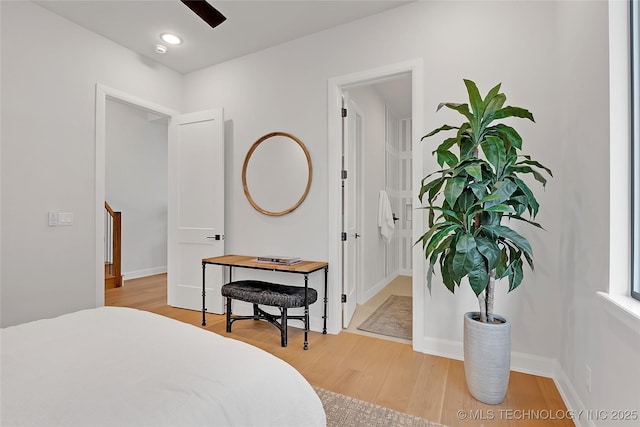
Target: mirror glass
276,175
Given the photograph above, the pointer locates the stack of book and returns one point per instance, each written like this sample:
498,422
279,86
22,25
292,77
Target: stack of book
280,260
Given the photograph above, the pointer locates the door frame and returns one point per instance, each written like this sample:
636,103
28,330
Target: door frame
103,93
336,85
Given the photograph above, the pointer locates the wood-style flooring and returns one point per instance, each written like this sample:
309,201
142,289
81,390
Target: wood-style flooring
376,370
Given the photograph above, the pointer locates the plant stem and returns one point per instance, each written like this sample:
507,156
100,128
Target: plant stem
490,291
483,307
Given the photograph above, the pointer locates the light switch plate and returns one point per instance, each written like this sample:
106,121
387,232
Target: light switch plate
53,218
65,218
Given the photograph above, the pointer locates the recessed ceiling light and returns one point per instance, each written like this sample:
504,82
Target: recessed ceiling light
171,38
160,48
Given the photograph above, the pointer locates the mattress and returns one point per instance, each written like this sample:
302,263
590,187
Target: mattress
114,366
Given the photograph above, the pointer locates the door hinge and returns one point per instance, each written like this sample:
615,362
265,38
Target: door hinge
344,112
343,174
343,236
344,297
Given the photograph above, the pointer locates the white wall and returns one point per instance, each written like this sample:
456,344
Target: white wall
591,335
284,88
136,185
50,68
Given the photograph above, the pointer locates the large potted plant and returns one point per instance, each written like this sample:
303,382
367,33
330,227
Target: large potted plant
471,203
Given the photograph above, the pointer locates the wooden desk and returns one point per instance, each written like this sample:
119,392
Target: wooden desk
304,267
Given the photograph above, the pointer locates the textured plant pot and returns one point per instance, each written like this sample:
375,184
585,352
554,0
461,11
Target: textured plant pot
487,358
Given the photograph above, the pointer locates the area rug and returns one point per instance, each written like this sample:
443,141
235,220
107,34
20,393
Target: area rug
345,411
393,318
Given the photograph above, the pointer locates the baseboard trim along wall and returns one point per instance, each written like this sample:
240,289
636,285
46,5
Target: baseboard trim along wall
144,273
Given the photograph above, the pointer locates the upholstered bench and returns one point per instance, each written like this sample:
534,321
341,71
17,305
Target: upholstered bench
270,294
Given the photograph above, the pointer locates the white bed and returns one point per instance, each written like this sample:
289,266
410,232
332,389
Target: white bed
115,366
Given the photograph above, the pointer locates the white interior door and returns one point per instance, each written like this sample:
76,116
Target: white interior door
196,209
351,134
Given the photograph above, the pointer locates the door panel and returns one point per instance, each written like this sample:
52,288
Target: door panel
196,208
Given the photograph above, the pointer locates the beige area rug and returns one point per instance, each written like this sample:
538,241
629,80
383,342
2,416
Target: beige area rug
345,411
393,318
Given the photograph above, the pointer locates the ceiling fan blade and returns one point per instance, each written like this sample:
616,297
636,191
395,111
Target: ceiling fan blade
204,10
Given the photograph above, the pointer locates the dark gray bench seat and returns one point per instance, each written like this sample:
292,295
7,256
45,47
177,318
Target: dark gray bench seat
269,294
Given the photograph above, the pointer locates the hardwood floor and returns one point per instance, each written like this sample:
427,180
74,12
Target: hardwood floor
376,370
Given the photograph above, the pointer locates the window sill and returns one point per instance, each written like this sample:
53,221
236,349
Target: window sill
624,308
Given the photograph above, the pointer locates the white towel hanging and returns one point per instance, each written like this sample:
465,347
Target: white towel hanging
385,216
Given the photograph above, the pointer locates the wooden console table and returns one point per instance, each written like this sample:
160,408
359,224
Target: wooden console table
303,267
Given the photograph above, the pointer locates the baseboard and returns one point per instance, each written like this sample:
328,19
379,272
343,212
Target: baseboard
370,293
144,273
571,398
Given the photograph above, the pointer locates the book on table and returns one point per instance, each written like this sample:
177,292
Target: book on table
278,259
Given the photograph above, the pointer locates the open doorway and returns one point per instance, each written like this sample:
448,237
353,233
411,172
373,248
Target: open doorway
377,122
136,186
107,97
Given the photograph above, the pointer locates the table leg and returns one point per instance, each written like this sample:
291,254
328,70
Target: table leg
204,309
326,299
306,311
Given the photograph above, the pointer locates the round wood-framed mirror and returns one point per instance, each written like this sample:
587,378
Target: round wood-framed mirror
276,175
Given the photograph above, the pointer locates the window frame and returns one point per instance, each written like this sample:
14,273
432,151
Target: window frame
634,63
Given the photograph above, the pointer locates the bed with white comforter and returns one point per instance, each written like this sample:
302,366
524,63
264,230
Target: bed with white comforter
114,366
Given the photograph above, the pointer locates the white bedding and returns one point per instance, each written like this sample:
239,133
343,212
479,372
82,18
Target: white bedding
115,366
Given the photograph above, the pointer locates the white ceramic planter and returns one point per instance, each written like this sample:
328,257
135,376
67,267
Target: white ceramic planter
487,358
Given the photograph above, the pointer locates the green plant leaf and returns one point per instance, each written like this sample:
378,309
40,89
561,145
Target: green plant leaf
478,275
528,161
513,112
438,238
500,208
440,129
507,233
516,276
492,94
479,189
430,186
474,170
502,191
528,169
446,156
453,189
490,250
532,203
477,105
507,133
465,243
460,108
493,106
446,269
493,149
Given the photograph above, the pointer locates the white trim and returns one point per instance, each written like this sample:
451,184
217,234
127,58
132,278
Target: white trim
129,275
571,398
617,301
102,94
620,151
335,87
624,308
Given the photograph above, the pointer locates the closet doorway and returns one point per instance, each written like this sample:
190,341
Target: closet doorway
377,158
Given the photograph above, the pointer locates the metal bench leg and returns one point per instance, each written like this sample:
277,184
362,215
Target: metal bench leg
228,314
283,323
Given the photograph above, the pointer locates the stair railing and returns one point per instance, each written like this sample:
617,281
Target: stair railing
113,243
